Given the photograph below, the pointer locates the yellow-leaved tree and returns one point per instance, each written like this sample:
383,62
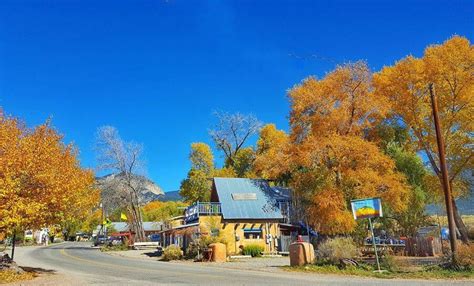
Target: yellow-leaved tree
41,181
450,68
331,161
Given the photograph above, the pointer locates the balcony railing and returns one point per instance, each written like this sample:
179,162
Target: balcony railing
192,213
209,208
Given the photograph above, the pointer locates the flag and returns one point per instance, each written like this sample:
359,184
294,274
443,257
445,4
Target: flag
107,222
123,216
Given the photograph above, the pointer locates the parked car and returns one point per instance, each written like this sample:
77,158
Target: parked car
115,240
155,238
100,240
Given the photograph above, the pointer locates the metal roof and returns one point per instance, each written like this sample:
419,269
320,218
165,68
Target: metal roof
246,199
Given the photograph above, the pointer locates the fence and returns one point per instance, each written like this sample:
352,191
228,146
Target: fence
423,247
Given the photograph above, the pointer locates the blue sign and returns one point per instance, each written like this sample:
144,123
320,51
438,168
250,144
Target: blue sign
191,214
367,208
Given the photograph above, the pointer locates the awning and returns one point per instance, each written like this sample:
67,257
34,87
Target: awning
256,230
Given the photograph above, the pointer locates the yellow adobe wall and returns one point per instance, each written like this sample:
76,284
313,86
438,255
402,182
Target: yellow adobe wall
231,229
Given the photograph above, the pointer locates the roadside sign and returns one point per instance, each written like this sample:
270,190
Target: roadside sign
366,208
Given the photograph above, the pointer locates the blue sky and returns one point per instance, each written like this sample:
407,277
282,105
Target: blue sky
157,70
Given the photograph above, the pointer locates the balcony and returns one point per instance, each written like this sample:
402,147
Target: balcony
209,208
193,212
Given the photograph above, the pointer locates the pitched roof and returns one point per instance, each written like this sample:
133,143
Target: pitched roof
246,199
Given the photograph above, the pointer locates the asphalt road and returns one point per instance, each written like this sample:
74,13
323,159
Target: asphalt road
80,264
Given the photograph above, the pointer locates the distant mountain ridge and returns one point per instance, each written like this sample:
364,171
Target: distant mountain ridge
148,190
171,196
465,207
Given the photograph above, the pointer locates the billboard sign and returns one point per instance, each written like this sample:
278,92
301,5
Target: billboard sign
191,214
366,208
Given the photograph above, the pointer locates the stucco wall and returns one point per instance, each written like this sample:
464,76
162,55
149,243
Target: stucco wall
228,230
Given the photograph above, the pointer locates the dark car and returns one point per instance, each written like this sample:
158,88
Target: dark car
100,240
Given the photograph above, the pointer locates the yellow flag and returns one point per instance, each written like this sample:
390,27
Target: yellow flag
123,216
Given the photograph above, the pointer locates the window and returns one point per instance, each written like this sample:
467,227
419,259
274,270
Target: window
252,233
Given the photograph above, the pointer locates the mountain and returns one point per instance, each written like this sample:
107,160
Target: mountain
112,187
465,206
171,196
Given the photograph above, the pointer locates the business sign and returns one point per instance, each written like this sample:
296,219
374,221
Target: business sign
191,214
244,196
367,208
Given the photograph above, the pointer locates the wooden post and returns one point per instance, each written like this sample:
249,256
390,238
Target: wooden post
444,173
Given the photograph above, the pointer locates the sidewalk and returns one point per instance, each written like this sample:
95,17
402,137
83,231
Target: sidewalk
269,264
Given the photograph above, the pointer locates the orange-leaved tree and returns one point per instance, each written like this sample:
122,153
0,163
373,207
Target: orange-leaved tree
272,155
450,68
41,181
332,161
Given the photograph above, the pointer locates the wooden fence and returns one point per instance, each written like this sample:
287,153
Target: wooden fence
423,246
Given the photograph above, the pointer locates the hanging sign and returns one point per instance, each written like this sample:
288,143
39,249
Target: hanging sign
366,208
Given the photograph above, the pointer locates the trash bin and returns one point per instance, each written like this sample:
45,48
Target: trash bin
219,252
301,253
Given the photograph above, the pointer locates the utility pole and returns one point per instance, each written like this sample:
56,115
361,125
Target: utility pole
444,172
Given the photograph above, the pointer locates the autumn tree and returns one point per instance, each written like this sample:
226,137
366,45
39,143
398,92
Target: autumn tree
123,160
332,162
231,133
41,180
272,155
450,68
160,211
244,163
197,185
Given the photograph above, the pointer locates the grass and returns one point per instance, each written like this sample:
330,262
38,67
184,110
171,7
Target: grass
467,219
120,247
9,276
368,271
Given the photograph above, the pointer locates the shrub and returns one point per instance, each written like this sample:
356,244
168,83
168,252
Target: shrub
254,250
202,244
335,249
466,256
172,252
391,263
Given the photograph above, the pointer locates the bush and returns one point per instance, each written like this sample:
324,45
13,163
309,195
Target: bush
172,252
202,244
335,249
254,250
117,247
466,256
391,263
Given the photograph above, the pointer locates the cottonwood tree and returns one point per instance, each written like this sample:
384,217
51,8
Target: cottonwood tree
231,133
331,160
197,185
272,155
450,67
41,180
123,160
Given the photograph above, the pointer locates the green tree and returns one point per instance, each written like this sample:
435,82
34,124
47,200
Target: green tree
197,185
411,165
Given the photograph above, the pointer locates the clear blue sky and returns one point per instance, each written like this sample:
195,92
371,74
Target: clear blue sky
158,69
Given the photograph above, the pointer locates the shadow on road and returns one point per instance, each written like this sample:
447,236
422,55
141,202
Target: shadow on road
38,270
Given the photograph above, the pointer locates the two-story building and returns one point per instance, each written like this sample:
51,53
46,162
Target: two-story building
241,211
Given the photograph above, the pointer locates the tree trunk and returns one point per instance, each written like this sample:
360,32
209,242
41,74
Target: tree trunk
458,220
13,245
460,224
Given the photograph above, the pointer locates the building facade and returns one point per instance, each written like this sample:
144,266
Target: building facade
241,212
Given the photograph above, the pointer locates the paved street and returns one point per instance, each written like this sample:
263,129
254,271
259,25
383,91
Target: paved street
79,264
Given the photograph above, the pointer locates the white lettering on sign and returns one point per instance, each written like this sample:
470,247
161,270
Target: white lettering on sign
244,196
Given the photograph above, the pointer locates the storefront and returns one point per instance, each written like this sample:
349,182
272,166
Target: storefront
241,212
